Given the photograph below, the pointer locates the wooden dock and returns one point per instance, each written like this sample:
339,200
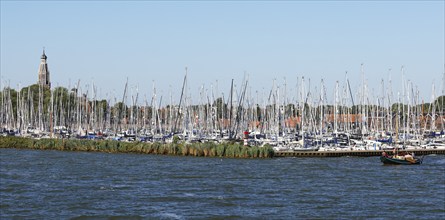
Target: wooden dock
361,153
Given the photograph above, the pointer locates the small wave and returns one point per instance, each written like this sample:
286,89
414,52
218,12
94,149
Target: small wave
189,194
122,186
82,217
169,215
107,188
441,161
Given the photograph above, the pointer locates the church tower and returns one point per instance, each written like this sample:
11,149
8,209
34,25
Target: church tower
44,72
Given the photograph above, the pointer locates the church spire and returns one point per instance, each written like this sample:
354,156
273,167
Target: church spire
44,71
43,55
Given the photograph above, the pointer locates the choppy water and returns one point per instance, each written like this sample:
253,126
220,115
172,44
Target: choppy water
54,185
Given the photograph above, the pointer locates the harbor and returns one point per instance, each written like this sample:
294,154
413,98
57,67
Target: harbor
300,120
222,110
297,120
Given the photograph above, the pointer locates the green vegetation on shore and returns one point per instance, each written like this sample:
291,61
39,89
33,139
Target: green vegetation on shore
228,150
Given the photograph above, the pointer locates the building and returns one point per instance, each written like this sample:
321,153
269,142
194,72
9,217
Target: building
44,79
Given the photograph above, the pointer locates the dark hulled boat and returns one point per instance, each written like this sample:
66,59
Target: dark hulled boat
400,160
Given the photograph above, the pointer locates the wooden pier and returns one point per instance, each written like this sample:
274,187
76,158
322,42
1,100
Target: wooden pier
361,153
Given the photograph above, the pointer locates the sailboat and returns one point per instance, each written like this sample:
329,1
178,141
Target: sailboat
399,159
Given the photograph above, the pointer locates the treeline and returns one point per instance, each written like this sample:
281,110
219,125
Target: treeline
177,148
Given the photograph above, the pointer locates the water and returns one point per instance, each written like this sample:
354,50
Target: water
83,185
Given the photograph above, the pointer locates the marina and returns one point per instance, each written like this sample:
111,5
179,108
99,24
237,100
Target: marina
290,119
222,110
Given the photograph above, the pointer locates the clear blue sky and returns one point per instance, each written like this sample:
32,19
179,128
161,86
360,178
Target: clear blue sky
107,41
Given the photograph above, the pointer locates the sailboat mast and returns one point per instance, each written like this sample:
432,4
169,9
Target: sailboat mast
230,110
180,101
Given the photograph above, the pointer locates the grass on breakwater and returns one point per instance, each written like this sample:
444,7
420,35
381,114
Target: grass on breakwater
228,150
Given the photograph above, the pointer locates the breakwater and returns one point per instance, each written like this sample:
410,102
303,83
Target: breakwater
208,149
357,153
177,148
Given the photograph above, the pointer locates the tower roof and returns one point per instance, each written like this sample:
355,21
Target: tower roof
43,55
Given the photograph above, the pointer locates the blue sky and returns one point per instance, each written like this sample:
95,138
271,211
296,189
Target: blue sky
107,41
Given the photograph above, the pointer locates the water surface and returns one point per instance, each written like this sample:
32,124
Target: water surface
56,184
